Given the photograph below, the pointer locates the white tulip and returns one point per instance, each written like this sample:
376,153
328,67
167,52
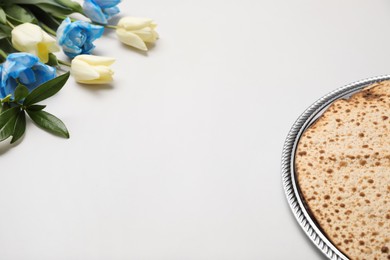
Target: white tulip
136,32
31,38
90,69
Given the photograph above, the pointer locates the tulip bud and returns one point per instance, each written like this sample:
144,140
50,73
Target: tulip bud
100,11
136,32
90,69
32,39
24,68
77,37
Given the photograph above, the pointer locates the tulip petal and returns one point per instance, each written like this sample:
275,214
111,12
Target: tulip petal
107,3
96,60
153,25
105,74
26,35
94,12
90,69
18,62
2,88
82,71
77,37
62,30
43,52
9,86
27,76
26,69
31,38
134,23
131,39
110,12
147,34
95,31
43,73
50,42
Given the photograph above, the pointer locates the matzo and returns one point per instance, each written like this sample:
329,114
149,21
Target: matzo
343,171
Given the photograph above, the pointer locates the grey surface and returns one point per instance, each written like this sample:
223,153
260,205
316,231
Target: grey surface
180,159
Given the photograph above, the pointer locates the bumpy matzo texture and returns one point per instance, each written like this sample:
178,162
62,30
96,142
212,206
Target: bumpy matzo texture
343,171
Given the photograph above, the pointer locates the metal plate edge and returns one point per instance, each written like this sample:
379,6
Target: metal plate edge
287,165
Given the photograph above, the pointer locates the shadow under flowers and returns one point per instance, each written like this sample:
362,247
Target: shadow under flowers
96,87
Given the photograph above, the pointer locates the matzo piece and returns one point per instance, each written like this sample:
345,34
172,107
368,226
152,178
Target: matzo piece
343,171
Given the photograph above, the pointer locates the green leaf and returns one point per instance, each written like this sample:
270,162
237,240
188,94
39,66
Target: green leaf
46,90
53,61
49,123
7,122
6,45
21,92
3,18
6,29
20,126
33,2
44,17
53,6
76,7
3,35
4,107
55,10
6,99
35,107
19,14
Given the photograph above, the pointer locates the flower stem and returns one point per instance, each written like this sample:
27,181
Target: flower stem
48,29
63,17
111,27
10,24
3,54
64,63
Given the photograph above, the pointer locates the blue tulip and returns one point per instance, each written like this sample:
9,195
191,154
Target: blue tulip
26,69
100,11
77,38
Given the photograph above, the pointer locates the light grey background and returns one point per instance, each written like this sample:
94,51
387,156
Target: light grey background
180,158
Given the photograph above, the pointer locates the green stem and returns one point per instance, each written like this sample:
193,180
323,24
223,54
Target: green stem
63,17
64,63
3,54
111,27
10,24
48,29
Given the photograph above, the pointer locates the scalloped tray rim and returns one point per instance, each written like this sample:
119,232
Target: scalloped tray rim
291,189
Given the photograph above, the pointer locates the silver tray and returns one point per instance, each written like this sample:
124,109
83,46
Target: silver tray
295,200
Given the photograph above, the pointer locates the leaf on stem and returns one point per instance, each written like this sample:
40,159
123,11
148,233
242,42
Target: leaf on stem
45,17
4,107
76,7
65,7
6,99
6,45
20,126
19,14
6,29
21,92
7,122
49,123
46,90
36,107
3,17
53,61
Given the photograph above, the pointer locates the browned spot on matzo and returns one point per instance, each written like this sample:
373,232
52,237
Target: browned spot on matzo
349,156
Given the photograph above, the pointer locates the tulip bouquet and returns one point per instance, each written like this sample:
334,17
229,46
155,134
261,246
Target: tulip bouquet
32,31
